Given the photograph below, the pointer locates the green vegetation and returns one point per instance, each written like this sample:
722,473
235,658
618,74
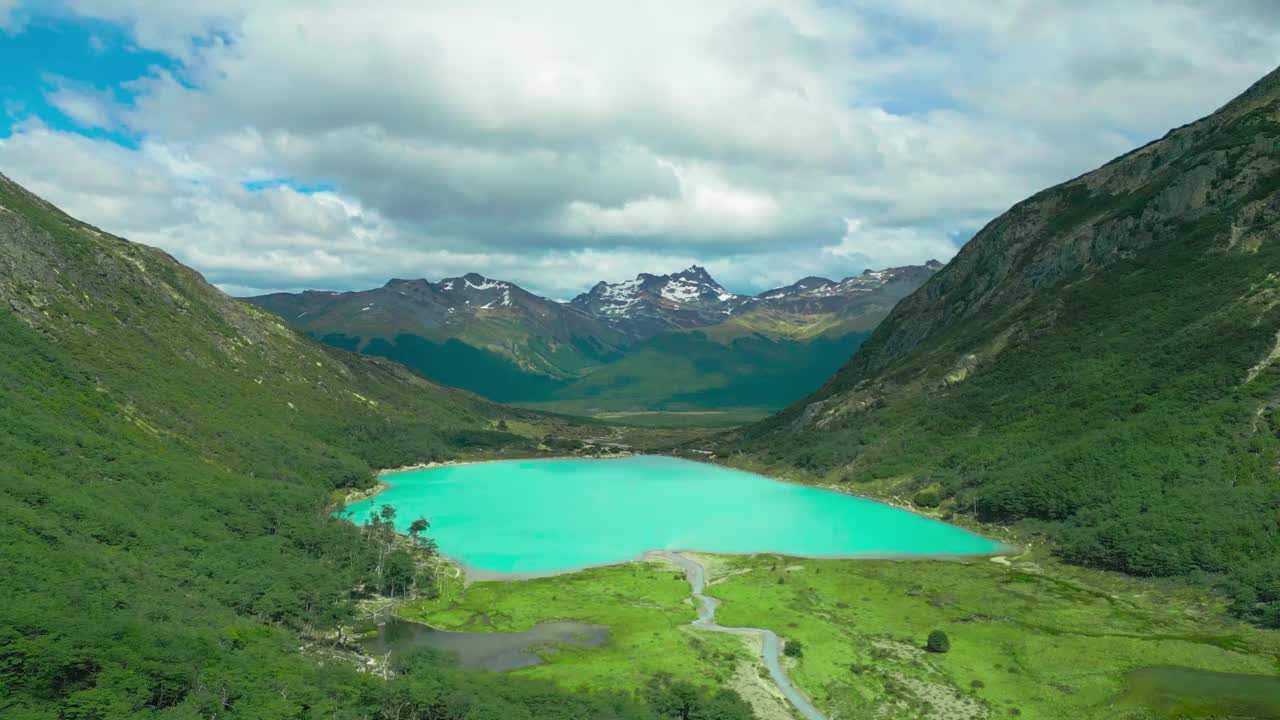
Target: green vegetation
645,604
683,700
656,418
746,375
1097,366
1024,636
695,370
166,537
1040,638
454,363
938,643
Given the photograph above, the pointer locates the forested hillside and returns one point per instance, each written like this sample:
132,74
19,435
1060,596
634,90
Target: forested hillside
169,455
1097,363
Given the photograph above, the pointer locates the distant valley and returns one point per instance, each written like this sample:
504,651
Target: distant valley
676,342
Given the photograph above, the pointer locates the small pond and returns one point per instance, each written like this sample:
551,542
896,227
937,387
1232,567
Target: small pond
493,651
1181,692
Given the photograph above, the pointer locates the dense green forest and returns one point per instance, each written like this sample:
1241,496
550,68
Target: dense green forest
167,544
671,371
692,370
1096,365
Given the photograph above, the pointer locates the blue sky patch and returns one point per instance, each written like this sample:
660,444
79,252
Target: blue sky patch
83,55
304,188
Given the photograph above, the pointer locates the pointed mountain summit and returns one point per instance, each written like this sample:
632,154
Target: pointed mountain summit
651,304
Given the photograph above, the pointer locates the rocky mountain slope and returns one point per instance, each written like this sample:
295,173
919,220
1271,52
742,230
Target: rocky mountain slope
651,304
1097,363
691,299
494,338
170,459
444,328
818,295
155,328
771,349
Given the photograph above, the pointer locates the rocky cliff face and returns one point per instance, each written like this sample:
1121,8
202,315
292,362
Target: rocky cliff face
1098,360
1223,167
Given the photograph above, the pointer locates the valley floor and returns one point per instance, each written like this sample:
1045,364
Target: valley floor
692,418
1029,637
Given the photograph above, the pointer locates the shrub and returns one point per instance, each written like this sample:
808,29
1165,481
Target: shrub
938,642
926,498
792,648
561,444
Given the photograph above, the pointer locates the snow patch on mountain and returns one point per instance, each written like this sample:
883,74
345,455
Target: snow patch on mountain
485,284
681,291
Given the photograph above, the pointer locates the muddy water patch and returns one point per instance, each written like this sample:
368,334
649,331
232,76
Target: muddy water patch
1182,692
493,651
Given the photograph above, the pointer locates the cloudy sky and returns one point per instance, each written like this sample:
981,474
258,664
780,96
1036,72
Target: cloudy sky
288,144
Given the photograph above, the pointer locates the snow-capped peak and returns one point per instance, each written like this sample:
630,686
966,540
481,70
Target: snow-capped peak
618,298
680,290
691,290
476,281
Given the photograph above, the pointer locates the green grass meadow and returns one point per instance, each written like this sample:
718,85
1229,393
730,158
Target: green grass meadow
1030,637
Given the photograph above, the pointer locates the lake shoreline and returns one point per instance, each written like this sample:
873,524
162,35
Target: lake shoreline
477,575
381,485
709,459
460,463
968,523
472,574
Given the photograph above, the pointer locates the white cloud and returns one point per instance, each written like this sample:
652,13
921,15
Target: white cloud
561,142
892,245
86,109
9,22
706,206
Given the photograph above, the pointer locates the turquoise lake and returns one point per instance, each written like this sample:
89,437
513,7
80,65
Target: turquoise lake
543,516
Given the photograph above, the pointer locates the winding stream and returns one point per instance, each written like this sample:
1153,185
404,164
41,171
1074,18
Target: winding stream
697,575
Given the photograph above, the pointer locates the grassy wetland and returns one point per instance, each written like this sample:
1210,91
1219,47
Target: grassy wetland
1029,637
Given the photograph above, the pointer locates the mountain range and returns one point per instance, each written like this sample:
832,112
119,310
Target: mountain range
676,341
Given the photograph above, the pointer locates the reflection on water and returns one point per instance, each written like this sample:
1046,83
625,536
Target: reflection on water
494,651
1189,693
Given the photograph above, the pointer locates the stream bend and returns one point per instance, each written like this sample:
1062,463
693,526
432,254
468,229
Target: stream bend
697,576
